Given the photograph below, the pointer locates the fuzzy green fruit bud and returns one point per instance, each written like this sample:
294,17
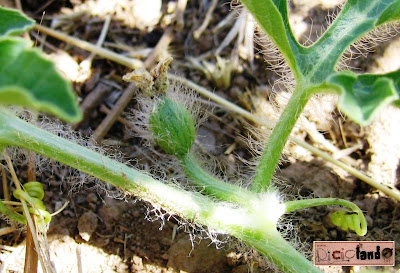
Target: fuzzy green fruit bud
172,127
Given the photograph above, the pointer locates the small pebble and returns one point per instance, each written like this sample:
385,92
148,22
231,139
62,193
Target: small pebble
87,225
92,198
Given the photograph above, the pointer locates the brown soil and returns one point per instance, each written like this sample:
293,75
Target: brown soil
106,234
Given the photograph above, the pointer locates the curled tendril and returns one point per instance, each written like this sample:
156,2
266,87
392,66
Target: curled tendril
350,220
33,193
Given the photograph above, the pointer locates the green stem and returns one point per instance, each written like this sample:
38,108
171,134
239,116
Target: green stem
268,124
360,227
213,186
16,132
279,136
280,252
308,203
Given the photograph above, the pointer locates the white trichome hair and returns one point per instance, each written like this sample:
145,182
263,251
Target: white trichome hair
368,44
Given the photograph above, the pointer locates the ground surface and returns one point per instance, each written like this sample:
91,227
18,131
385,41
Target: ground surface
103,234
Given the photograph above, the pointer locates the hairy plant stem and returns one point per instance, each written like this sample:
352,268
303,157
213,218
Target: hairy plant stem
252,117
279,251
15,132
118,58
279,136
213,186
308,203
252,226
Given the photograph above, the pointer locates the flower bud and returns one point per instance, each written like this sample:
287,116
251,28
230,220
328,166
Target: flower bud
172,127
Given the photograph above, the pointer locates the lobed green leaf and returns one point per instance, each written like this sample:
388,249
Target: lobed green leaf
13,22
361,96
28,79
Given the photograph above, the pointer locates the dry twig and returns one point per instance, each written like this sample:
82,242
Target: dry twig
119,106
197,33
31,254
92,100
129,62
180,9
161,47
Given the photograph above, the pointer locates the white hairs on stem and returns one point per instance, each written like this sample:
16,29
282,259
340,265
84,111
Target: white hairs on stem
368,43
58,172
276,61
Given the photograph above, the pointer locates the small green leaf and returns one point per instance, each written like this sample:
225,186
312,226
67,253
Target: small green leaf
13,22
28,79
361,96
